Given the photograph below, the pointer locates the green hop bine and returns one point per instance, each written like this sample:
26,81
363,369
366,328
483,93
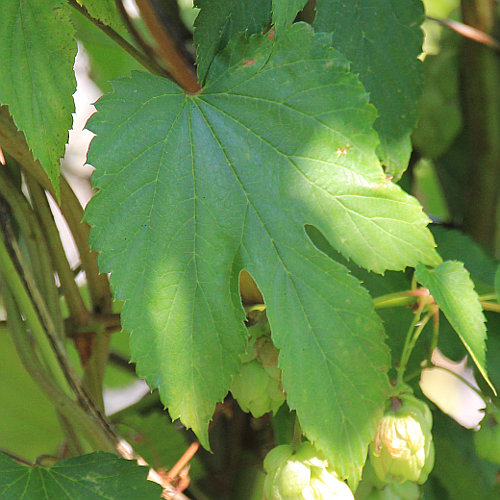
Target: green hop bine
403,449
487,438
301,474
257,387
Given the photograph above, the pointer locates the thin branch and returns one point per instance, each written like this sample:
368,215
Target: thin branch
122,362
36,243
16,457
468,32
180,69
72,295
116,37
148,50
14,142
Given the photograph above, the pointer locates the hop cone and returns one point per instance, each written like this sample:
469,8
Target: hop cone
257,387
403,449
303,475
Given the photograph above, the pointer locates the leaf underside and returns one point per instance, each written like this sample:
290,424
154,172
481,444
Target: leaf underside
382,40
38,91
96,476
453,290
226,180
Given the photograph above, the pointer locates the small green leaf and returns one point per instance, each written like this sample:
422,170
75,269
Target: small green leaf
37,80
382,40
453,290
455,245
219,20
285,11
96,476
226,180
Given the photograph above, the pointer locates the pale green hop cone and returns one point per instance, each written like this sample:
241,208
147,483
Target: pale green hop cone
257,387
403,449
301,475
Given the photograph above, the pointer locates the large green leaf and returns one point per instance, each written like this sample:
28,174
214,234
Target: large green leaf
192,189
219,20
37,82
382,39
90,477
453,290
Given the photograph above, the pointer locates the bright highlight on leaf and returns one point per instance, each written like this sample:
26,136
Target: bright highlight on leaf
226,180
37,80
453,290
93,477
382,40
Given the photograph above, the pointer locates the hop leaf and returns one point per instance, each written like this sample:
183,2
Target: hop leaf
403,449
487,438
257,387
301,474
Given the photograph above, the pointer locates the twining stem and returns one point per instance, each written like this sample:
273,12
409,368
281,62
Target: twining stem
488,296
182,72
98,284
435,332
72,295
468,32
407,349
16,285
71,411
35,242
118,39
14,142
398,299
489,306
